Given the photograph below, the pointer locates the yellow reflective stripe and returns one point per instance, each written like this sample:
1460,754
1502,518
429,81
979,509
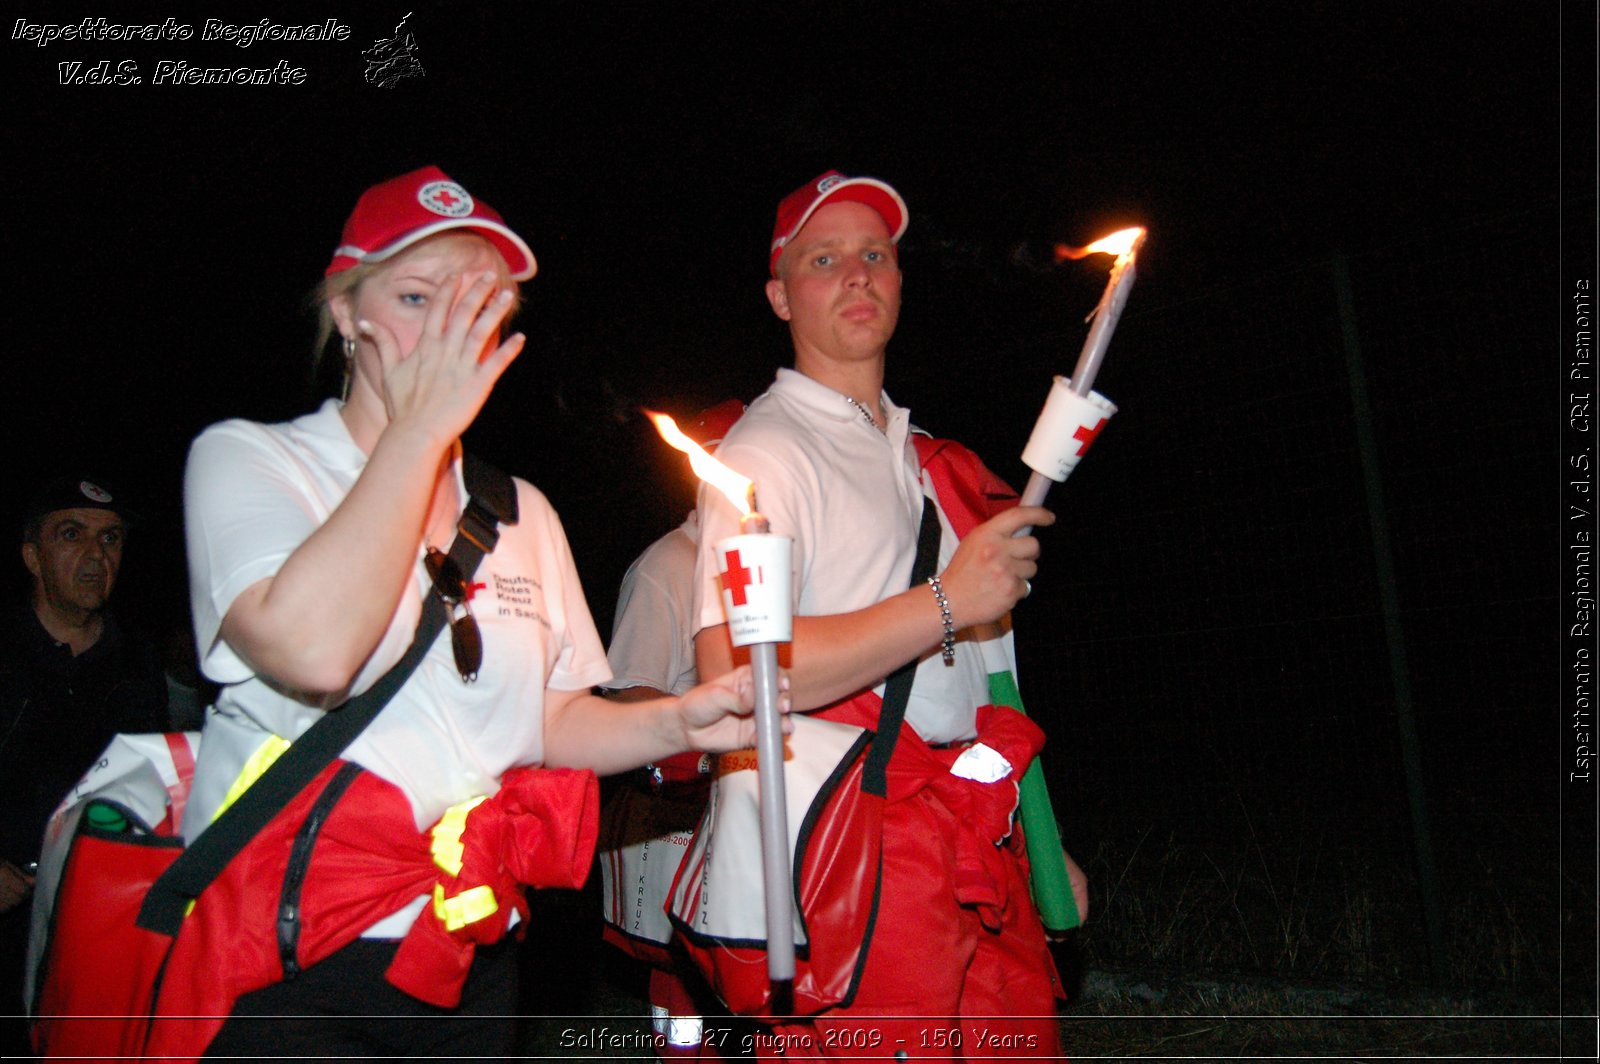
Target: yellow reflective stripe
444,843
446,835
465,908
259,762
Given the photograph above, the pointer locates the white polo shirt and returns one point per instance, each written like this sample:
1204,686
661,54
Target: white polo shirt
252,494
652,641
851,497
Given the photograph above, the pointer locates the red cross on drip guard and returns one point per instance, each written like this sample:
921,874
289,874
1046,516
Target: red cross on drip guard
738,577
1085,435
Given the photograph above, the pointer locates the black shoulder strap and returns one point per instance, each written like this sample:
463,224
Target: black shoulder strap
897,691
492,499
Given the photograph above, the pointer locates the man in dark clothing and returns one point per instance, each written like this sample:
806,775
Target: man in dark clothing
70,679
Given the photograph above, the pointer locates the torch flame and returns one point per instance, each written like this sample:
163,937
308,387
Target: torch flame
736,487
1119,244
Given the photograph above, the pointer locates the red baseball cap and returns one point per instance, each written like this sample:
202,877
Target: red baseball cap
798,206
403,210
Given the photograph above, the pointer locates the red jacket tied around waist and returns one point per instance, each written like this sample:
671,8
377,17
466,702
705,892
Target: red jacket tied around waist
366,862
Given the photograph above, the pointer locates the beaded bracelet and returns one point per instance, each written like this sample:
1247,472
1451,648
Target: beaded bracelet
947,646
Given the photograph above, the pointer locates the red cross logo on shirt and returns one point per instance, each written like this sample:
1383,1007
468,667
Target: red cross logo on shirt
737,578
473,589
1085,435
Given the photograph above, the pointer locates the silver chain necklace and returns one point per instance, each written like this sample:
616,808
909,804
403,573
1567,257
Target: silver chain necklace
866,414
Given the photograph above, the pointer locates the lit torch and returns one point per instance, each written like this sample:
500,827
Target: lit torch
1074,413
755,579
1072,417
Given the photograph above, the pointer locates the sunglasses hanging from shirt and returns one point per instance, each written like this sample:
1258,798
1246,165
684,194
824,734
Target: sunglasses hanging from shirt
466,641
491,499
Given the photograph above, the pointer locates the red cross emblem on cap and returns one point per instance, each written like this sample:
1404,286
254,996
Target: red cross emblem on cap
446,198
1085,435
738,578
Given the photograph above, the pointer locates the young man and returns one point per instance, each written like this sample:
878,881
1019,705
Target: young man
957,963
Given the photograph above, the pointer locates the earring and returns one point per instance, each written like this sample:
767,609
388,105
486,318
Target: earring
349,365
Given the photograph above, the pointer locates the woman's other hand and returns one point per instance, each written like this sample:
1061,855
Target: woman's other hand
717,715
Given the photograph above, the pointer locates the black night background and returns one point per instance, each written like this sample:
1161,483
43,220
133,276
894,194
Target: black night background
1331,503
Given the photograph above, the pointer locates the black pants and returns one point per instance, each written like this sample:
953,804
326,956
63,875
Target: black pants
344,1007
13,951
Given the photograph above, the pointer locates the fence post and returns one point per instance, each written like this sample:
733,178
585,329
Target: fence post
1394,635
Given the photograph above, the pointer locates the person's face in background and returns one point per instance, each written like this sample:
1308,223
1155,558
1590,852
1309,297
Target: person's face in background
75,559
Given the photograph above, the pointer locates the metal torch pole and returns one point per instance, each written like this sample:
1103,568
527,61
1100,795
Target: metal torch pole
774,815
773,808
